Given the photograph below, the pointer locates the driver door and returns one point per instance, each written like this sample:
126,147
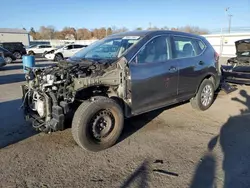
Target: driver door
68,51
154,76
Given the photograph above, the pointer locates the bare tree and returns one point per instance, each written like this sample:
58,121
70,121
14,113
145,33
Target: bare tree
47,32
138,28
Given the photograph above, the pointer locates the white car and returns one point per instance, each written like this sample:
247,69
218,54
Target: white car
64,52
39,49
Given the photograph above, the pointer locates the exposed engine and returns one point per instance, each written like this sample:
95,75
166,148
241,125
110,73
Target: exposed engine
50,91
239,61
59,78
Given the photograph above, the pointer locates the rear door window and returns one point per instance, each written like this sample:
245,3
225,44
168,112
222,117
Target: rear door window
78,46
186,47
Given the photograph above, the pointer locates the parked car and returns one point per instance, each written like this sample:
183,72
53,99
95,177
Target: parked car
17,48
2,61
8,56
237,69
39,49
64,52
242,53
150,70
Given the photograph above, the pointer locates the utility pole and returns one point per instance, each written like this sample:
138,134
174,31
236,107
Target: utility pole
229,19
229,22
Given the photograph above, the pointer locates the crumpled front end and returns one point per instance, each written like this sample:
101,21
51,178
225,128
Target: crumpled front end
44,114
47,97
52,93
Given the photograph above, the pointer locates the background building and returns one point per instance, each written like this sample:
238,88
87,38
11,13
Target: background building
14,35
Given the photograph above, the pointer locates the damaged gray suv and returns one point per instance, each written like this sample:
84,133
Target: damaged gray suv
118,77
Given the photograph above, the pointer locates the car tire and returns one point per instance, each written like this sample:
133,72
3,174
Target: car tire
8,60
31,53
97,124
18,55
58,57
204,97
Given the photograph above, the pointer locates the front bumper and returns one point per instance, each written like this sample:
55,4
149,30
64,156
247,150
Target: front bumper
237,77
50,56
54,120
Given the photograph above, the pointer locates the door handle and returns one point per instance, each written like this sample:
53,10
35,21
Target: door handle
201,63
172,69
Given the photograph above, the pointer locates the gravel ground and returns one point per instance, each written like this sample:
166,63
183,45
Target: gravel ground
174,147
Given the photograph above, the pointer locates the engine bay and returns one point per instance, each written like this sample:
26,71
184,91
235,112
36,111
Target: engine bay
51,92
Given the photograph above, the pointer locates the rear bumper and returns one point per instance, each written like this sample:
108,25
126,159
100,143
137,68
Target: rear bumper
217,81
54,121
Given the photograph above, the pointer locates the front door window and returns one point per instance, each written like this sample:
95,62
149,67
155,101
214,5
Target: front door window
157,50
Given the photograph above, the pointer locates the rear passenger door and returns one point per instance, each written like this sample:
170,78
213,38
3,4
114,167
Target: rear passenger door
154,76
187,53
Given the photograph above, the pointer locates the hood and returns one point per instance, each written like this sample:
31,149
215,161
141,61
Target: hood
242,46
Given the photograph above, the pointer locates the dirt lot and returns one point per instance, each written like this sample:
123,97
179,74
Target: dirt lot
175,147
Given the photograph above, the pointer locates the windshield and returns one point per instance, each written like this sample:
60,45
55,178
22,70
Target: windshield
3,50
107,48
32,46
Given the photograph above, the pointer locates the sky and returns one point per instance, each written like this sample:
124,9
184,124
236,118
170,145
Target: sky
208,14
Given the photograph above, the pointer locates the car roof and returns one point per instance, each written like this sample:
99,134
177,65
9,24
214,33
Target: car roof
144,33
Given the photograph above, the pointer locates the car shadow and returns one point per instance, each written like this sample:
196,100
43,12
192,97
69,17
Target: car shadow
11,78
234,140
134,124
13,127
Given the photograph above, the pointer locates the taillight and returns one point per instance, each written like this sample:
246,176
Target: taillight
216,56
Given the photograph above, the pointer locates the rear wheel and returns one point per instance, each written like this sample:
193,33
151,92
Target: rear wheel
31,53
58,57
98,124
18,55
204,97
8,60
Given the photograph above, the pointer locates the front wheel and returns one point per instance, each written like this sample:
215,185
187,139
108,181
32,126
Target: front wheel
204,97
98,124
58,57
31,53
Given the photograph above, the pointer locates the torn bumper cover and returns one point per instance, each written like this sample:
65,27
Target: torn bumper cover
237,75
52,120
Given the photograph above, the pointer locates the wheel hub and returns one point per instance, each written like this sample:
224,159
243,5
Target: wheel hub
206,95
102,124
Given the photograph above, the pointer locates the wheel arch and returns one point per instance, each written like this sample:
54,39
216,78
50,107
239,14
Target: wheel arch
102,91
59,53
209,76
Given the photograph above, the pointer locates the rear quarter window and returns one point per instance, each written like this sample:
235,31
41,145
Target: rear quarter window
201,46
